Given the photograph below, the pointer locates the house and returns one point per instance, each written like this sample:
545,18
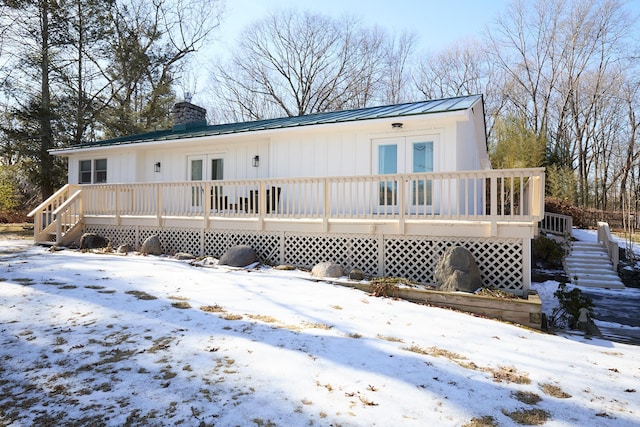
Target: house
386,189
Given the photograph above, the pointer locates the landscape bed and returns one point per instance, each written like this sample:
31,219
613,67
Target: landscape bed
525,312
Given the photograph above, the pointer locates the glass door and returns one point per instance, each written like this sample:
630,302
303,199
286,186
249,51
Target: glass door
421,160
387,165
195,173
219,201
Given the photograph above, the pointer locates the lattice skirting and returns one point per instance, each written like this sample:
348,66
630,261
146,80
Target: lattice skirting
501,261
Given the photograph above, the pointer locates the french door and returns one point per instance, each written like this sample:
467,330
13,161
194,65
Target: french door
204,168
404,155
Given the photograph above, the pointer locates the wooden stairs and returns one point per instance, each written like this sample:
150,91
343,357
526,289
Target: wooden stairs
588,265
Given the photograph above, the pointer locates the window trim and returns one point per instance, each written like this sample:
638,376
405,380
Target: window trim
93,175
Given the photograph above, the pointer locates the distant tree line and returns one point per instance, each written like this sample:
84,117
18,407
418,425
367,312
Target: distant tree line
560,78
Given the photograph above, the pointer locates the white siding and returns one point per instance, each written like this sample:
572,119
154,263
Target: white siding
343,149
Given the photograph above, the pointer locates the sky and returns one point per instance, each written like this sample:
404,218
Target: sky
105,339
437,23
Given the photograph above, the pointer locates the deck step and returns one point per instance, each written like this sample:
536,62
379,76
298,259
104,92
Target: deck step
589,265
595,283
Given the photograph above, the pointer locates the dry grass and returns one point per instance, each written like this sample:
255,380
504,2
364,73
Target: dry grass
554,391
263,318
527,397
388,286
485,421
435,352
509,374
388,338
16,231
181,304
528,417
500,374
231,316
178,298
212,308
316,325
141,295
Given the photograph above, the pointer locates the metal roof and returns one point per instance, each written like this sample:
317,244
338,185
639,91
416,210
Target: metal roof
387,111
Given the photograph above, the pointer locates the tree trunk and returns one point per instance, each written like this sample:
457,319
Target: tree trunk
46,130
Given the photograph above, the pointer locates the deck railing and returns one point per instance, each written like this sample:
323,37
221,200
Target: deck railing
514,194
558,224
491,195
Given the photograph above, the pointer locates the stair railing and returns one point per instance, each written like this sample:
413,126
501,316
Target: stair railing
604,237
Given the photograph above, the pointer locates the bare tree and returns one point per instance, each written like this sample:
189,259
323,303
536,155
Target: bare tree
462,69
294,63
398,62
560,58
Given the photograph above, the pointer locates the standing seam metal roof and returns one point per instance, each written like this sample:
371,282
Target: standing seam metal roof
370,113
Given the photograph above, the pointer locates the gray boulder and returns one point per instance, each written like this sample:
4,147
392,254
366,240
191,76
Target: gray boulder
93,241
356,274
327,269
182,256
457,270
124,249
239,256
151,246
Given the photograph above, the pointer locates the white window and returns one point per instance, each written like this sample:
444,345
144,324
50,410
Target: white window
100,171
92,171
85,172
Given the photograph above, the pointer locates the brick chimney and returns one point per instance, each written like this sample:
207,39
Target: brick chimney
187,115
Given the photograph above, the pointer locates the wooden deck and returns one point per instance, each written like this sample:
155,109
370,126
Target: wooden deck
391,225
504,203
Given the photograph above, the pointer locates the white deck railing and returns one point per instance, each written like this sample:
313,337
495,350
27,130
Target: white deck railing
558,224
500,195
493,195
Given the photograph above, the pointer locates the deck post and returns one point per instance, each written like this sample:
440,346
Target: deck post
401,207
117,203
262,204
159,198
326,205
493,195
526,265
58,229
208,195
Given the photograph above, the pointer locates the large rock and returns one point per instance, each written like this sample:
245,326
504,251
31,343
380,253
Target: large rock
239,256
457,270
93,241
356,274
327,269
151,246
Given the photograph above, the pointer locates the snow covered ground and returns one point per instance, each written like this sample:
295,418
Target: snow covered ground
91,339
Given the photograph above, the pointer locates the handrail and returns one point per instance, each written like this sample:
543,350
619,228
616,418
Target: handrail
68,202
54,196
604,236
